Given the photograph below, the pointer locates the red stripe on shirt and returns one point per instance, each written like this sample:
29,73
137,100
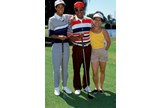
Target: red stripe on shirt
86,21
84,39
76,22
83,21
77,34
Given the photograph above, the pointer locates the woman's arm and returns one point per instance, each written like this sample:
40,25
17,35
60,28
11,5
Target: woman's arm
107,38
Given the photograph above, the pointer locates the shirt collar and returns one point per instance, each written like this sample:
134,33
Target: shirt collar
79,18
59,17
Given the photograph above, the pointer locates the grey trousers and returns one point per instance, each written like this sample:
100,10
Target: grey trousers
57,63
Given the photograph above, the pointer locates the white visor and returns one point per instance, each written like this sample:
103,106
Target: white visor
57,2
98,15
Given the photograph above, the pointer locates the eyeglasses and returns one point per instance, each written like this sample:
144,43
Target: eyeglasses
76,10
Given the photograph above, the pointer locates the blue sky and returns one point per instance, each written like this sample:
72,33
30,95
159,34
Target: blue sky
105,6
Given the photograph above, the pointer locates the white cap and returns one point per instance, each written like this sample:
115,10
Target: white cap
98,15
57,2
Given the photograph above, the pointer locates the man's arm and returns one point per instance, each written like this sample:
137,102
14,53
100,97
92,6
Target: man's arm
51,31
61,37
75,38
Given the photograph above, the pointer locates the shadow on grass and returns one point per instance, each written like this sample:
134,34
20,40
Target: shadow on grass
106,100
48,42
48,45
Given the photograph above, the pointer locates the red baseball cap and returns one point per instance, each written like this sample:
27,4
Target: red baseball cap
79,4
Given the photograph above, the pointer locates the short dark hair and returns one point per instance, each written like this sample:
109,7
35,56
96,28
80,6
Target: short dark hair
104,18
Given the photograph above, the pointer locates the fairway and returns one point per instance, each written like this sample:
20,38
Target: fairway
106,100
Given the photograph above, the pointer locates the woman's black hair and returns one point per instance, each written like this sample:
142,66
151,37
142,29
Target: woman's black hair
104,18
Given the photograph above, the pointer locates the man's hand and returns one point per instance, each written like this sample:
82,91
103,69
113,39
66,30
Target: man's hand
62,37
73,39
76,38
81,35
71,19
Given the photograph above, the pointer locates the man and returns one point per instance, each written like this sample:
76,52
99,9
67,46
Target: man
58,25
80,26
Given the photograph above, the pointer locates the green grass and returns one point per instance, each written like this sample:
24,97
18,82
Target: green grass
46,32
107,100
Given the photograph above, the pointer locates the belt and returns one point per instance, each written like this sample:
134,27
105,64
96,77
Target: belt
81,44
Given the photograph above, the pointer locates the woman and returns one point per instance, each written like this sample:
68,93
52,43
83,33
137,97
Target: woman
99,54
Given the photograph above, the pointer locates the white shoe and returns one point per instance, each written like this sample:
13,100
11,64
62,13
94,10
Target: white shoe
87,89
57,91
67,90
77,92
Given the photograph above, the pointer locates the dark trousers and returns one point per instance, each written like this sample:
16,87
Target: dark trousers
77,56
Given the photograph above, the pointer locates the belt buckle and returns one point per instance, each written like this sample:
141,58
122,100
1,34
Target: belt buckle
86,45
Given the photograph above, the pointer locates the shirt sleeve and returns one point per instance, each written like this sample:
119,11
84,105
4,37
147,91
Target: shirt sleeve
68,16
69,31
50,27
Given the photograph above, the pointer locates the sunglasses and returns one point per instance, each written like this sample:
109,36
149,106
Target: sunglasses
76,10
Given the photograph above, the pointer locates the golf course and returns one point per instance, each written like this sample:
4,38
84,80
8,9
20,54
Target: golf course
106,100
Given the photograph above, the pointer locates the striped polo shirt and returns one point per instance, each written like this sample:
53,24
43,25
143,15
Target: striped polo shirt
58,25
82,26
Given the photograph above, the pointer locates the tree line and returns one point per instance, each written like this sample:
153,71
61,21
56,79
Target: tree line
50,8
110,22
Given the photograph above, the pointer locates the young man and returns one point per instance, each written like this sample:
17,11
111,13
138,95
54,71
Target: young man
80,26
58,25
